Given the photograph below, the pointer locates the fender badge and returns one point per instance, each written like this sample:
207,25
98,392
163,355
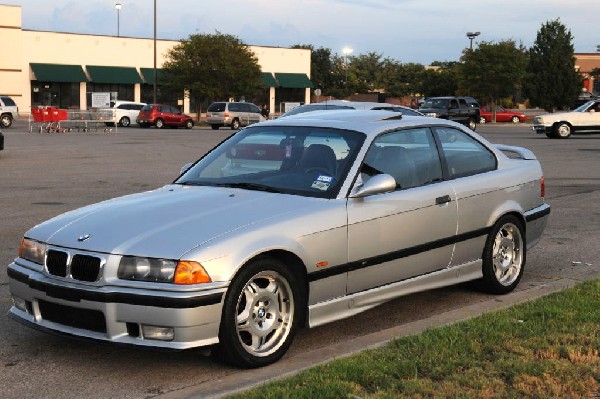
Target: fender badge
84,237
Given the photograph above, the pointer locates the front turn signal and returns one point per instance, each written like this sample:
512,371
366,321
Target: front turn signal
188,272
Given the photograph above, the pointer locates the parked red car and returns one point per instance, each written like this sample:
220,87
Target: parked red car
161,115
502,115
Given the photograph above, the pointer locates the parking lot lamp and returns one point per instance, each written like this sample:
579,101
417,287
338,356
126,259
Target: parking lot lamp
471,36
347,51
118,7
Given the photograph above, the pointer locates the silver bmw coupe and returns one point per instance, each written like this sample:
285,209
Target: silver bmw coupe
292,222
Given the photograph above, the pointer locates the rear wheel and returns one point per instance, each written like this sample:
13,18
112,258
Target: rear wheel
482,120
235,124
261,314
6,120
504,256
215,127
562,130
125,122
472,124
159,124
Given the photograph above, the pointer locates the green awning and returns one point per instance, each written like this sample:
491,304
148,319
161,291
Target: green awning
148,74
268,80
58,73
114,75
293,80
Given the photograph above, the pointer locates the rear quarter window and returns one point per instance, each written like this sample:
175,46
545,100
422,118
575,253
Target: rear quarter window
216,107
8,102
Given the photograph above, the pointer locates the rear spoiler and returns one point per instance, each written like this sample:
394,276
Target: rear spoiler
513,152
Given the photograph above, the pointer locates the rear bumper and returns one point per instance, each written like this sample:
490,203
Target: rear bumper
536,220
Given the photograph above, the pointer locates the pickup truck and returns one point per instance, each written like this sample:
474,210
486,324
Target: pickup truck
463,110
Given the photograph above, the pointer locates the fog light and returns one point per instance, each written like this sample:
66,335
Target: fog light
158,333
20,303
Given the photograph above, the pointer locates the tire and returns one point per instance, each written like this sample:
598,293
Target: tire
235,124
482,120
562,130
125,122
261,314
472,124
504,256
159,124
215,127
189,124
515,119
6,120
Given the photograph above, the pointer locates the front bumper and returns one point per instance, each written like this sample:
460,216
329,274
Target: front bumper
541,128
115,314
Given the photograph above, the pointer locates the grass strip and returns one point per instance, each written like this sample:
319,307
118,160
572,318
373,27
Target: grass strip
546,348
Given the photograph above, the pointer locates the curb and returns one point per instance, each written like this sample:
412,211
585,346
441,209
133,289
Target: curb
243,380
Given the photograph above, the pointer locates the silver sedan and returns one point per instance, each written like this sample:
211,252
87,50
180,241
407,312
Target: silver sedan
288,223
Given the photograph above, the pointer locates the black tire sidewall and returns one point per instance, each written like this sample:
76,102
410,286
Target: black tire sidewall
229,348
489,282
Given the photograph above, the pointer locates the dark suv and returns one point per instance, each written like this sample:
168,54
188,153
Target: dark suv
8,111
463,110
160,115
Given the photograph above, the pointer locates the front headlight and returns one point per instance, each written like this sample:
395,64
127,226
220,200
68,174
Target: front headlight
33,251
161,271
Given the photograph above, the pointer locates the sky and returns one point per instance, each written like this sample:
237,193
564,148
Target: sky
419,31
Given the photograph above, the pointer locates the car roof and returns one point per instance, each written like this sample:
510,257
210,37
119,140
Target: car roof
369,122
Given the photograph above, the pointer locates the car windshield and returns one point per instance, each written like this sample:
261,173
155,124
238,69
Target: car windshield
584,107
308,161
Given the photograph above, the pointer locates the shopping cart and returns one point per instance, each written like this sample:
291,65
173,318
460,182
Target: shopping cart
47,119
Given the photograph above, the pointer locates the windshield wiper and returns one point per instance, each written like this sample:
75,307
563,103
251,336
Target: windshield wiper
251,186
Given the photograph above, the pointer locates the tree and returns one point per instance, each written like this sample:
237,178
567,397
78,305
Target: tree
440,81
212,67
552,81
492,71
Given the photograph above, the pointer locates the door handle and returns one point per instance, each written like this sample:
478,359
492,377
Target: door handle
442,200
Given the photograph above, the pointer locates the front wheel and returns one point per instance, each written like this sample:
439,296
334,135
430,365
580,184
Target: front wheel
189,124
235,124
215,127
504,256
482,120
159,124
515,119
6,120
261,314
562,130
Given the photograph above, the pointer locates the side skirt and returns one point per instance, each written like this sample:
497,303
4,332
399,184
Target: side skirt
349,305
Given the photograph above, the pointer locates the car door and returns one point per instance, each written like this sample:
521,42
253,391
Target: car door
407,232
453,110
471,169
590,118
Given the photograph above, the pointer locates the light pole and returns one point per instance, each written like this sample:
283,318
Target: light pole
154,78
471,36
347,51
118,7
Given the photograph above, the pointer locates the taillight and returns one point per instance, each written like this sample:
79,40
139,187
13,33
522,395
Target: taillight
542,187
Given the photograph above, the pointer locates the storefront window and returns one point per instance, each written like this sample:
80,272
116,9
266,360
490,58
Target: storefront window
61,95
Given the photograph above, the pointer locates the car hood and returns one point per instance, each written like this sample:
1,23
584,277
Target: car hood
164,223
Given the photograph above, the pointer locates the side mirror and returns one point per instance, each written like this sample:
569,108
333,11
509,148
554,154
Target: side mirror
377,184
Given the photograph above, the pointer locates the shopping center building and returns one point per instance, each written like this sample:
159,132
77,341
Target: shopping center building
40,68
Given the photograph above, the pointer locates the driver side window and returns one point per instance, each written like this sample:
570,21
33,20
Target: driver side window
409,156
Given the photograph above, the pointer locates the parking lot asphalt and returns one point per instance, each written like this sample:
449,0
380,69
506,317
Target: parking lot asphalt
43,175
